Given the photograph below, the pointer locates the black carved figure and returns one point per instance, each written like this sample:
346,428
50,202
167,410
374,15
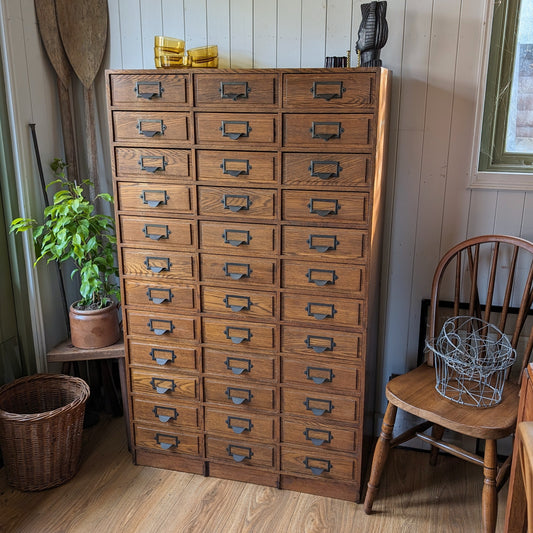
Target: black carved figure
373,33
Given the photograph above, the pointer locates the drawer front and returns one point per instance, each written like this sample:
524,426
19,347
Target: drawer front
161,326
157,232
148,90
150,127
233,334
313,434
345,279
163,357
319,406
239,168
246,396
322,310
243,366
238,204
160,296
239,452
150,163
237,272
165,415
331,207
320,464
329,343
241,129
327,170
235,90
155,198
171,442
324,243
319,375
328,131
238,303
164,385
232,424
157,264
325,91
227,237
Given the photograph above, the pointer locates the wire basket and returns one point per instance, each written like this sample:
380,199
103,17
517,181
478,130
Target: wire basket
41,423
471,361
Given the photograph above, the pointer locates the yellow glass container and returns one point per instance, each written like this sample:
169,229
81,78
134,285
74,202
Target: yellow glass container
203,56
168,61
175,45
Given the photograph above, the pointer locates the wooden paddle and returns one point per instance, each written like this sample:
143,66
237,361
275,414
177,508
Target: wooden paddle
83,28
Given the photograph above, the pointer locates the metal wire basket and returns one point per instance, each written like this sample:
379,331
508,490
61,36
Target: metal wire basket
471,361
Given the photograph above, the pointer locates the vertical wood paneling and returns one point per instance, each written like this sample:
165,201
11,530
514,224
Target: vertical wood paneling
219,29
313,33
173,18
339,27
265,34
130,33
113,57
241,20
289,33
195,23
151,25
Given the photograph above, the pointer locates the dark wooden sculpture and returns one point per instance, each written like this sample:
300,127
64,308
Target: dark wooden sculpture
373,34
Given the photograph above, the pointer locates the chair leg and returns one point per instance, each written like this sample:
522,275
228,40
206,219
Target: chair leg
436,432
489,498
380,456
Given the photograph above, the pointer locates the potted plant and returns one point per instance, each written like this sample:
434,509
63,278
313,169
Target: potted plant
73,231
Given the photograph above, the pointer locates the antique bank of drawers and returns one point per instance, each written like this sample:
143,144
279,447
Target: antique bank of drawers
249,212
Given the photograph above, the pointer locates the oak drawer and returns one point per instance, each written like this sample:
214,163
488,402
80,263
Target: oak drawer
328,131
161,326
241,129
148,90
158,264
239,452
236,203
235,90
155,198
320,436
242,304
162,297
240,168
246,395
232,424
171,442
163,385
150,163
234,334
157,232
164,357
150,127
326,207
243,366
165,415
238,272
327,170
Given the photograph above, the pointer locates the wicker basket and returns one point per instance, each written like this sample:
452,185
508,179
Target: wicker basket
41,423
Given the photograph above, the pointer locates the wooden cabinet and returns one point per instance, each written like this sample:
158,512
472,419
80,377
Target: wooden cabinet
249,212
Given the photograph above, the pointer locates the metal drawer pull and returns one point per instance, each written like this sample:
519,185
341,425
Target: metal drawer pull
318,436
234,270
235,207
240,237
159,412
320,378
233,171
235,364
161,198
239,425
238,454
239,396
155,158
233,94
325,175
166,326
313,209
158,234
150,93
236,307
318,407
160,388
151,133
320,465
330,278
326,134
323,344
231,333
162,356
154,264
166,445
327,96
159,299
316,242
328,310
233,132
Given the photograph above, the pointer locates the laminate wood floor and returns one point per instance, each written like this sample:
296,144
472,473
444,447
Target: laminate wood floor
110,494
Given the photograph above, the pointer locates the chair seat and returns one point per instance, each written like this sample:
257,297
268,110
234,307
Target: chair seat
415,393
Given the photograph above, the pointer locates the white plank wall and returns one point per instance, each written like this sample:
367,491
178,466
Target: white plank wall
434,51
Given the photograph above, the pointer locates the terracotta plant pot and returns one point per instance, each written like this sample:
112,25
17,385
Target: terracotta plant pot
94,329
